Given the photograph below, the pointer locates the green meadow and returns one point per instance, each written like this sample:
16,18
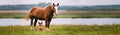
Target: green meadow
65,14
63,30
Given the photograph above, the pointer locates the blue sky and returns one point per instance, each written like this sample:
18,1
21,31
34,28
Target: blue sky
62,2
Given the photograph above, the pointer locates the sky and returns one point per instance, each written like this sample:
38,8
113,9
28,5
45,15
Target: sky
62,2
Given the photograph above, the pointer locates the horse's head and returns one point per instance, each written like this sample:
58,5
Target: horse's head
55,8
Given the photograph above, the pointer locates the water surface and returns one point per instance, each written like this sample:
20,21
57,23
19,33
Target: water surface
59,21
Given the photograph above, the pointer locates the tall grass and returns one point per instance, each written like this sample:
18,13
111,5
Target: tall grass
63,30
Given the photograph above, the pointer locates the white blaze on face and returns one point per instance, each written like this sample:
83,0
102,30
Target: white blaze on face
56,9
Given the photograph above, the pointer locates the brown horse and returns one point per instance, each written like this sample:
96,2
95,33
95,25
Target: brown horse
46,14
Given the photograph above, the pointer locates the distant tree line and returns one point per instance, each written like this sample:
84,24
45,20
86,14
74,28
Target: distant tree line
66,7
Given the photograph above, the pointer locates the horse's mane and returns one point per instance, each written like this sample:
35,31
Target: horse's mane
48,6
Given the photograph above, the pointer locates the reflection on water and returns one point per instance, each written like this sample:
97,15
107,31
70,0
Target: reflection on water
58,21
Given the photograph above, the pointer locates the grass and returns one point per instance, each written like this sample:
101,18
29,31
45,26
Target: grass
65,14
63,30
87,16
12,15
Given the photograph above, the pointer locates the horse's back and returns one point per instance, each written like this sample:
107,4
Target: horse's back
36,9
37,12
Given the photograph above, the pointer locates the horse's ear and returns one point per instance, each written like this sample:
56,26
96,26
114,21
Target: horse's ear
53,4
38,22
57,4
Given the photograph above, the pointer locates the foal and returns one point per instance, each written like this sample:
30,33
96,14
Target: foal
41,27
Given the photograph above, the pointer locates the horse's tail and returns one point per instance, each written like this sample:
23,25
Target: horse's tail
29,14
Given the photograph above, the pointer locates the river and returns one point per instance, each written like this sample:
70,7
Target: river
61,21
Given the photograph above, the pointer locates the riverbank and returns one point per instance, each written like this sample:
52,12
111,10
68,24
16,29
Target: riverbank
63,30
64,14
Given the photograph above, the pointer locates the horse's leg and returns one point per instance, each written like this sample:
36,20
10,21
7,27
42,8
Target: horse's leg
49,23
31,24
35,23
46,25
